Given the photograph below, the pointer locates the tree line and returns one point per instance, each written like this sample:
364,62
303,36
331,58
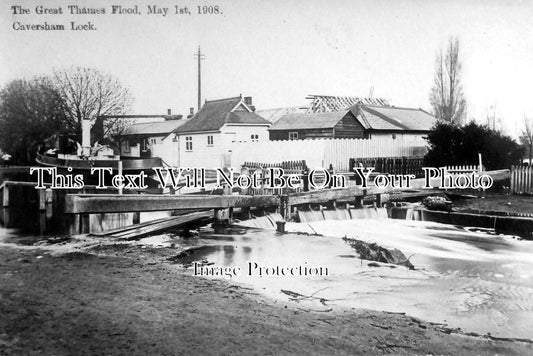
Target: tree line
32,110
454,140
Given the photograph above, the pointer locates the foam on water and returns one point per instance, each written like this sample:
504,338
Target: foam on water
468,279
306,216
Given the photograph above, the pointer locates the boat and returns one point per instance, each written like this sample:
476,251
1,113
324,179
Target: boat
129,165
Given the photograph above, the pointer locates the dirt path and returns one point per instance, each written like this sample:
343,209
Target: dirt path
130,302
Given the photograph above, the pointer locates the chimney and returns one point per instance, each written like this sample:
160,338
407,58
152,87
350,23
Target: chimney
248,102
191,113
169,112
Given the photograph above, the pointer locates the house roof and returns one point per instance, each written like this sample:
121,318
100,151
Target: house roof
393,118
166,117
154,128
216,113
273,115
371,117
309,121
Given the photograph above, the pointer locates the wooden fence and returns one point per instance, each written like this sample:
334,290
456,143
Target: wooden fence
289,167
390,165
522,180
326,152
465,169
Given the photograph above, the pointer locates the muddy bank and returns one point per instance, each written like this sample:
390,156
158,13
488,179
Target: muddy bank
497,204
127,300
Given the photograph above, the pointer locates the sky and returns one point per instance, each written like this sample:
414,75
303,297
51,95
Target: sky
278,52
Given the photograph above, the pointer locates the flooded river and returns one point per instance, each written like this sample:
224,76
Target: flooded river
464,278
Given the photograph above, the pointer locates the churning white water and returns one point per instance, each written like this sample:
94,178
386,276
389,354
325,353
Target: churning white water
474,280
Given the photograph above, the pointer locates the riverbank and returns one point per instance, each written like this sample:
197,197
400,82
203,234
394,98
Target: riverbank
126,299
503,204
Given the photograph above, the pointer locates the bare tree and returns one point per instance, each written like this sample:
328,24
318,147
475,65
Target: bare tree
115,130
527,136
89,93
446,96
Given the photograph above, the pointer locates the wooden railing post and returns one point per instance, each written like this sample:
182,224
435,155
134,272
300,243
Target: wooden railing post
42,210
5,205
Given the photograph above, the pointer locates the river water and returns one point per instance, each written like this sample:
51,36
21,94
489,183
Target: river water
464,278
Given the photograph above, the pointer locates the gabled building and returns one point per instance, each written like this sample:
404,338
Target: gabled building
301,126
206,139
137,132
359,121
139,138
393,121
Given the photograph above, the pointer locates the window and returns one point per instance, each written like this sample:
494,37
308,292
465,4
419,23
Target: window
188,143
153,141
293,135
210,140
126,146
254,138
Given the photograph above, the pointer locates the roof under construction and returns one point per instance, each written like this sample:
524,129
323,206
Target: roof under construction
328,103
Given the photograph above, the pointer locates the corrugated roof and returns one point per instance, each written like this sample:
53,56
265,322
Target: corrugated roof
394,118
214,114
155,128
309,121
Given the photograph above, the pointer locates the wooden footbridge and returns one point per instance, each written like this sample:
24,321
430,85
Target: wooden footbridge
77,207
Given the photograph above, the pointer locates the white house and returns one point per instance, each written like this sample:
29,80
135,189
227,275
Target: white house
206,139
139,138
139,132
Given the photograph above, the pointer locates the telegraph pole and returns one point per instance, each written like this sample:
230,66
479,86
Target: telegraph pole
200,58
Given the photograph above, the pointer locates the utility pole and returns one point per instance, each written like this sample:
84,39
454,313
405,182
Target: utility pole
200,58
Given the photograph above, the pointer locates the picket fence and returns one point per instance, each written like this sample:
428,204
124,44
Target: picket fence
522,180
465,169
323,152
390,165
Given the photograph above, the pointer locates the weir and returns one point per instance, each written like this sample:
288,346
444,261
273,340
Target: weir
96,210
306,216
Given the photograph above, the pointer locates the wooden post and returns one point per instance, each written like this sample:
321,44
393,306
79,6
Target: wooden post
358,202
5,206
84,224
5,199
223,216
284,208
136,217
245,191
120,173
382,200
305,179
42,210
280,226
